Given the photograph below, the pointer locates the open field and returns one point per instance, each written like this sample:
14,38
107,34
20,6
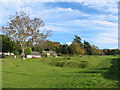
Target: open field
59,72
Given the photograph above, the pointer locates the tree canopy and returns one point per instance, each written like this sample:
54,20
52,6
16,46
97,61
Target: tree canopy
22,28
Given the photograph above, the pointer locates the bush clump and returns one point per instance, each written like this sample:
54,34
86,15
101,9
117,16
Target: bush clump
44,55
59,54
28,50
70,64
57,63
84,64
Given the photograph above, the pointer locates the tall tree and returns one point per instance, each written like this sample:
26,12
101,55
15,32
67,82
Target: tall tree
87,48
21,28
65,49
77,39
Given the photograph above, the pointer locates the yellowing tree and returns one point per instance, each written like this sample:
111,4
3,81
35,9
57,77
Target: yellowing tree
76,49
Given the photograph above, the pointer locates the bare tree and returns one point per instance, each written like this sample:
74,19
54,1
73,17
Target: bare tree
22,29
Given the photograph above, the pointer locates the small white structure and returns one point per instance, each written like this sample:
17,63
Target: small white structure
0,53
11,53
6,53
15,56
34,55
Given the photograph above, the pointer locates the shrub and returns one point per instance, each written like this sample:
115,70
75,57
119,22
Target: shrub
70,64
69,57
16,52
9,56
84,64
28,51
57,63
52,55
113,71
43,55
59,54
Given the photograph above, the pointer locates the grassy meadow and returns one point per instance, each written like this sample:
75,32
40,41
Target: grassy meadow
59,72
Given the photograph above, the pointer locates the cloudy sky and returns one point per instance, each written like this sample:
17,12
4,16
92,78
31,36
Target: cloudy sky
95,22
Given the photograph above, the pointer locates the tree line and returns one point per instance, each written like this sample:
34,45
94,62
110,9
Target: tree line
75,48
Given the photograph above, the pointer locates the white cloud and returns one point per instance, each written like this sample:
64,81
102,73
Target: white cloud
105,23
69,43
56,10
64,9
95,23
103,41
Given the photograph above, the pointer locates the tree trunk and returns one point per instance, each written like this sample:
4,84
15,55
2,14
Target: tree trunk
23,51
23,54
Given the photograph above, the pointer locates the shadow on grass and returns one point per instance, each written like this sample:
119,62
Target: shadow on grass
102,69
113,72
89,71
16,73
81,75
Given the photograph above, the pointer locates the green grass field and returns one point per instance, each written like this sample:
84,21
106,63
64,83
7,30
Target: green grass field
58,72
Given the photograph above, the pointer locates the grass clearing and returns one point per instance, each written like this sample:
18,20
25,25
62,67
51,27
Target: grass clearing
58,72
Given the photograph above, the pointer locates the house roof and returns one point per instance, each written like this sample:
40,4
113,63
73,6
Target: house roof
35,53
53,52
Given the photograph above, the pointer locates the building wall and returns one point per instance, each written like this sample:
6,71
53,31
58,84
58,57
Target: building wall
30,56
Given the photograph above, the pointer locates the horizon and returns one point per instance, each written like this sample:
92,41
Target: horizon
95,22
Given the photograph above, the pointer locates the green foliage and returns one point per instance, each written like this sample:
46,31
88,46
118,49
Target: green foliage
28,50
37,48
77,39
88,48
65,49
7,44
95,50
111,51
84,64
76,49
70,64
16,52
43,55
59,54
113,71
52,55
9,56
69,57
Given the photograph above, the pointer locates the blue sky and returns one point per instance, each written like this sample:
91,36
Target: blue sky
95,22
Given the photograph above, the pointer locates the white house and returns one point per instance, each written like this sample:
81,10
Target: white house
34,55
50,53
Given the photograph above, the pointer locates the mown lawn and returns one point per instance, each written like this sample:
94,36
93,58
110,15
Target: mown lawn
58,72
